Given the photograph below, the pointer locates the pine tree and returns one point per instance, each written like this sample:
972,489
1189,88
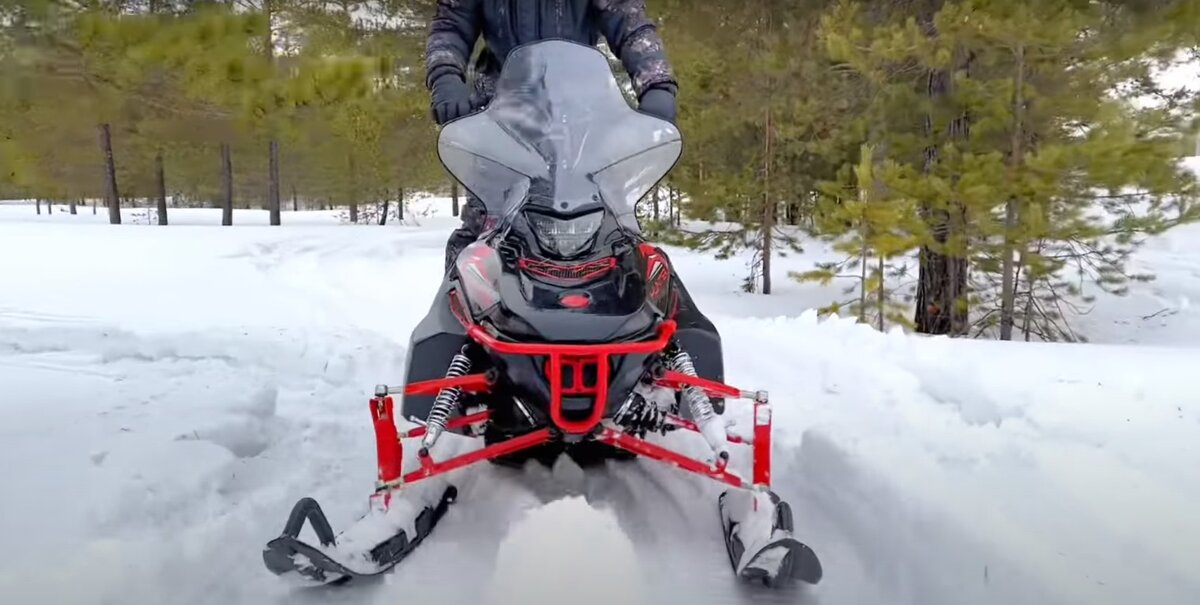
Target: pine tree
759,117
872,227
1038,134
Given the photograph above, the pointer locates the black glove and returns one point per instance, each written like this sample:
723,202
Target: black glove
451,98
474,215
660,103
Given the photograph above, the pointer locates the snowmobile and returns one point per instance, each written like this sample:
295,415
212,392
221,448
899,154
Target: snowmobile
561,330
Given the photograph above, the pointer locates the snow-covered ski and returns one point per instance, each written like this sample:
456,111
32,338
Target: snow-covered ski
758,529
289,554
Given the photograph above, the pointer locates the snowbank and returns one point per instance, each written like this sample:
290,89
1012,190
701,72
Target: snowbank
170,392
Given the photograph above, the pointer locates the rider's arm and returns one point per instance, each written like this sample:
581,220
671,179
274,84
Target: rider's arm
634,39
452,36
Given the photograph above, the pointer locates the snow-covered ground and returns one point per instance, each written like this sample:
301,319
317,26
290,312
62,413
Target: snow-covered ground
166,394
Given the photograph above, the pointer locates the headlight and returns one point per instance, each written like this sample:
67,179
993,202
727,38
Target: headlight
565,237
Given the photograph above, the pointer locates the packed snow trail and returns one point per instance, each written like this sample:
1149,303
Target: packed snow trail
168,393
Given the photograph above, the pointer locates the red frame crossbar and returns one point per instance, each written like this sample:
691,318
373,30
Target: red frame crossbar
577,356
389,445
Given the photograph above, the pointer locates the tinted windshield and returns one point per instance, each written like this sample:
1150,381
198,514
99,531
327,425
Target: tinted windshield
559,135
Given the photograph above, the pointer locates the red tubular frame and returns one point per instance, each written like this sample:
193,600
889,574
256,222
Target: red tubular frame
578,356
389,442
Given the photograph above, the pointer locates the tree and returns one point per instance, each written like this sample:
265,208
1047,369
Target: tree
1026,108
754,110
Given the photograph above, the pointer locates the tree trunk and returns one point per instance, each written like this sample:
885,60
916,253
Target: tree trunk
793,213
657,191
273,191
93,206
161,176
1029,298
677,205
273,206
110,176
881,295
37,202
353,191
941,302
227,185
72,206
863,261
400,205
453,197
768,218
1008,286
295,200
383,215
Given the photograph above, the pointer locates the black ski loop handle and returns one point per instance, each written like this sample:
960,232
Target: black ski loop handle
307,509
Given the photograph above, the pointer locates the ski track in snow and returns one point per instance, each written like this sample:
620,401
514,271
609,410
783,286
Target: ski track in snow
169,393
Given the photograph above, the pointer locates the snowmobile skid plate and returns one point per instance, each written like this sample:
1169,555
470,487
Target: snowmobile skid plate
758,530
288,554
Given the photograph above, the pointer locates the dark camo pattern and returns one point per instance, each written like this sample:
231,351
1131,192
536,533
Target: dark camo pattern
506,24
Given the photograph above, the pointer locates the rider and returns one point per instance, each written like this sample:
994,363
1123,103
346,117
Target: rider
506,24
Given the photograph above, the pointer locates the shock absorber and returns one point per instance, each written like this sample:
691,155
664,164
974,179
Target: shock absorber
701,407
446,401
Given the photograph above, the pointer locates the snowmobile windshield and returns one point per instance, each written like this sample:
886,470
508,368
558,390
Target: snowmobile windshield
559,137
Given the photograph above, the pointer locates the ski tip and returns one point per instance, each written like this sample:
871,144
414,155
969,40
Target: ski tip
277,561
777,558
783,562
805,566
287,556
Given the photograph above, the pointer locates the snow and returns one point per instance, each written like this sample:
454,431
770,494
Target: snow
538,562
169,392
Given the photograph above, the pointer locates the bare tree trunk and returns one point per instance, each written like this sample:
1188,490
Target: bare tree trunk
657,191
383,215
160,172
881,294
93,206
453,197
793,213
227,185
72,206
37,202
1029,281
677,205
295,200
862,280
273,204
400,205
1008,285
110,176
353,191
768,218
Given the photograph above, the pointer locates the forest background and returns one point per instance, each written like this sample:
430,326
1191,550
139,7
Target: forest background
979,165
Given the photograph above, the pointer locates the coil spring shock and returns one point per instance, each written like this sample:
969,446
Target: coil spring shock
700,405
446,400
698,402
